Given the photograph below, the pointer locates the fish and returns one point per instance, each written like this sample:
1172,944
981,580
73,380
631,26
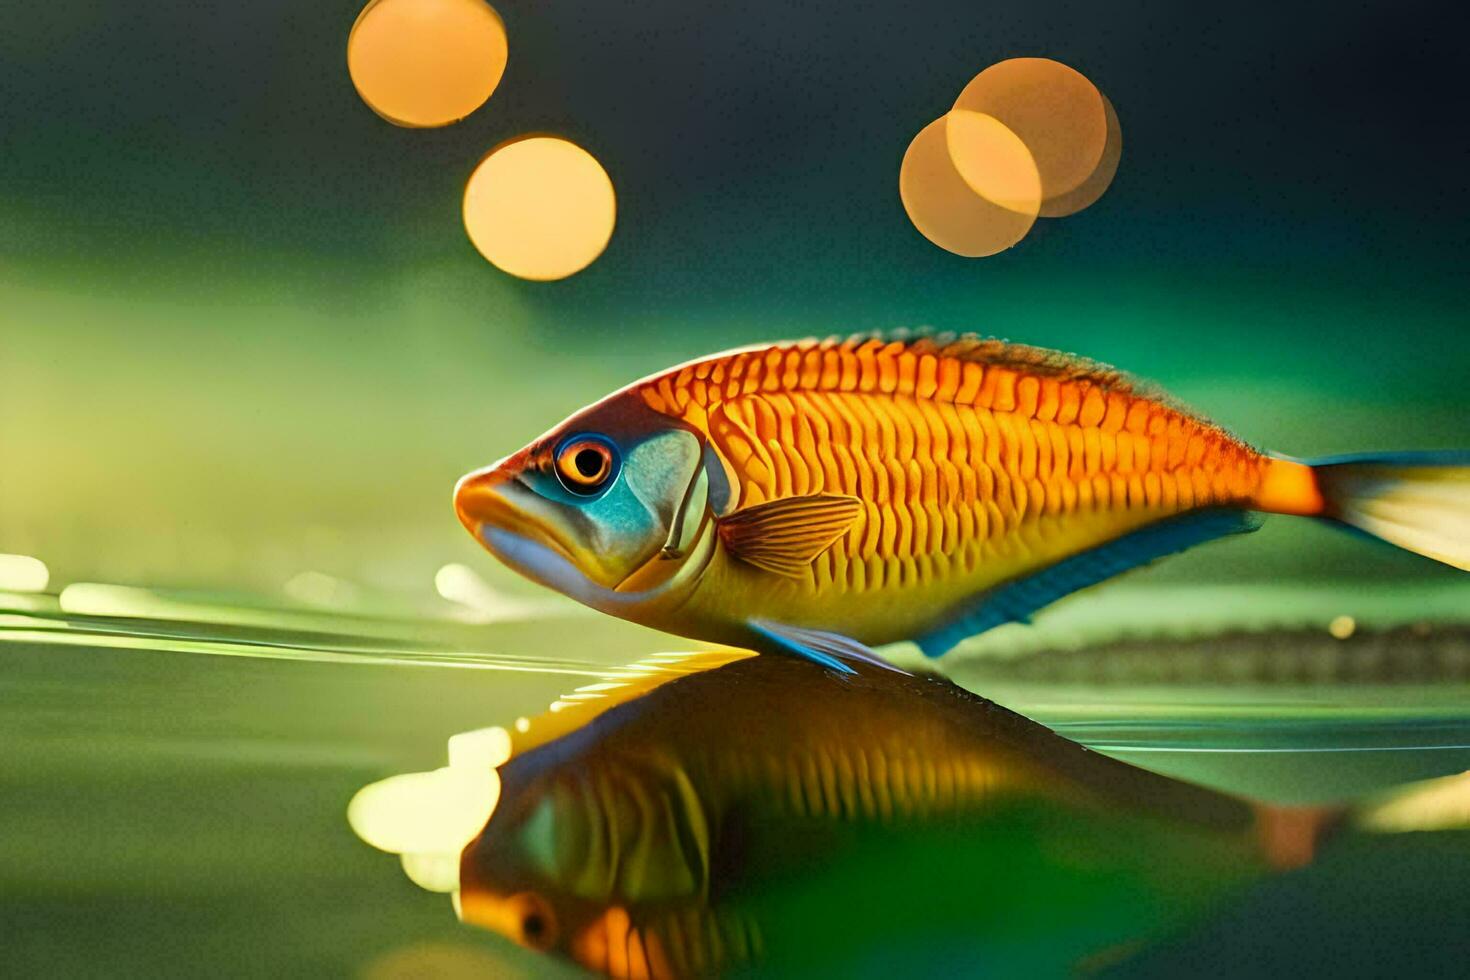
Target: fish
823,497
741,812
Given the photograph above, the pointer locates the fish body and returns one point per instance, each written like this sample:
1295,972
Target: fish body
819,496
765,814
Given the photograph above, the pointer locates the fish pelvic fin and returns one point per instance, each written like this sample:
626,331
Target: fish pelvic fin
1418,501
786,535
819,646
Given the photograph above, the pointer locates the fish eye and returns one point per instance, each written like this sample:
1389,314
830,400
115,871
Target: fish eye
537,921
586,464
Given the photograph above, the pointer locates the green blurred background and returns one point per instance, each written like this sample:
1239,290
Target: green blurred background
244,334
243,337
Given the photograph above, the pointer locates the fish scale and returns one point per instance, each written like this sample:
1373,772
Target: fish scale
951,457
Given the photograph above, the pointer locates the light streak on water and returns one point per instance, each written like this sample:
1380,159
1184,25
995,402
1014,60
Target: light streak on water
123,618
483,603
264,651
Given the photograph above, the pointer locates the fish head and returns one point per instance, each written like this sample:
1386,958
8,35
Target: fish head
525,917
605,507
532,873
584,845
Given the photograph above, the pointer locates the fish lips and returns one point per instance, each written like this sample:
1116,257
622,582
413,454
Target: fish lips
506,516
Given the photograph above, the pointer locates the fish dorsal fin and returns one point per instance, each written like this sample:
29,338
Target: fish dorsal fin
1040,362
1004,353
903,361
786,535
1015,601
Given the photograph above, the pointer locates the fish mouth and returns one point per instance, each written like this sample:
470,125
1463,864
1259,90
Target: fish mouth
524,532
492,500
509,916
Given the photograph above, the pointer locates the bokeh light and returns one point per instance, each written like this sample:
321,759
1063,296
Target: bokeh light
479,750
22,573
1056,112
1026,138
426,63
436,812
313,588
540,207
993,161
1086,194
437,872
987,209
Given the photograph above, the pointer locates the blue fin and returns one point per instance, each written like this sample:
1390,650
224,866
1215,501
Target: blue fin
1015,601
1409,457
820,646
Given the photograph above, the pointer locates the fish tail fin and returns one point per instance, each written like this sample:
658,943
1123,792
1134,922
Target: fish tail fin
1289,836
1417,501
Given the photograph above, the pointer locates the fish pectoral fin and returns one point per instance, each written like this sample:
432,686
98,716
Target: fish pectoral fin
820,646
786,535
1016,600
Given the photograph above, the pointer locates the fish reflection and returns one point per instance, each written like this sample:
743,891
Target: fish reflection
754,811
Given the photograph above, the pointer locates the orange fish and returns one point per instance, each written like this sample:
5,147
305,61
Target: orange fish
820,496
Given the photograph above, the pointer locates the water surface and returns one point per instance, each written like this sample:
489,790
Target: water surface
176,767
